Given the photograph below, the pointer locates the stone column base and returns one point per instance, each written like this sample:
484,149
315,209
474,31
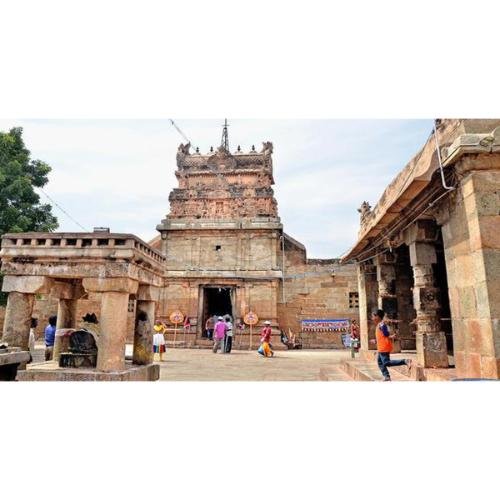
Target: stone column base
431,350
50,372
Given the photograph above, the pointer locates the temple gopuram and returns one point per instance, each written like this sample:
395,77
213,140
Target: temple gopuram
227,253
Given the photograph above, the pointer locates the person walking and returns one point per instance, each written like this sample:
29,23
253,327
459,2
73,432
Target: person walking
33,326
228,344
187,325
219,335
354,335
241,330
209,327
384,340
265,341
50,335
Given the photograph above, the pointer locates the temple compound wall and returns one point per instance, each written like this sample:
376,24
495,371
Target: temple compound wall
429,252
316,289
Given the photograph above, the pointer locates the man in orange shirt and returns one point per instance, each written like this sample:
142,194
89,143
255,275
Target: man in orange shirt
384,346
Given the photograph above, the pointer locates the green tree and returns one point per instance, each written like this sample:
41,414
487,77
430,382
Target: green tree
20,207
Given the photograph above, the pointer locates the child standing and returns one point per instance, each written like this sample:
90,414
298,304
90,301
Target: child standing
159,344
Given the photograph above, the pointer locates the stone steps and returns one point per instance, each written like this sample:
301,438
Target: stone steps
335,374
368,371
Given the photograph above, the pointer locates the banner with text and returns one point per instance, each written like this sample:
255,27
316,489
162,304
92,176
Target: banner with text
325,325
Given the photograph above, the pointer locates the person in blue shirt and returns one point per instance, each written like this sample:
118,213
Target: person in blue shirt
50,335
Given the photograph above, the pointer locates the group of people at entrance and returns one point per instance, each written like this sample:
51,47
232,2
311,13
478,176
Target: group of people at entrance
223,335
221,332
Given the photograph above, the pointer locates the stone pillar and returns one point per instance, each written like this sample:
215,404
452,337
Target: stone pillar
368,293
66,310
111,348
470,225
18,319
404,293
431,341
67,293
143,334
387,300
274,250
147,297
114,309
21,290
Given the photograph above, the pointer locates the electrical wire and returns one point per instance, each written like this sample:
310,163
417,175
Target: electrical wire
387,233
63,211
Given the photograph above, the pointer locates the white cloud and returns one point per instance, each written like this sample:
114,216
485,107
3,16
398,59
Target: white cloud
119,173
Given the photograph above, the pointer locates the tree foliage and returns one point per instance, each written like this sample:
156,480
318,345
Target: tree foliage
20,207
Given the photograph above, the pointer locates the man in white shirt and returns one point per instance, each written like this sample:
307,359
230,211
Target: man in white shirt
229,335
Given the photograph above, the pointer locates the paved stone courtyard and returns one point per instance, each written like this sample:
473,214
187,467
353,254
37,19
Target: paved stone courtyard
204,365
200,365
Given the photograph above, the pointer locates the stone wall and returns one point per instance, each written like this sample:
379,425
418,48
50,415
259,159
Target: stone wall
471,236
222,250
317,289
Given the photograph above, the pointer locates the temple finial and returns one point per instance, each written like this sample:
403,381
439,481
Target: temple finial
225,139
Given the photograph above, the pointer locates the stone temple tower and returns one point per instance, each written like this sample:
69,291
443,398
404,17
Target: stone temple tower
221,238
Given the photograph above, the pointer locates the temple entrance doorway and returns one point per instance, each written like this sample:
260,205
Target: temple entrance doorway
216,301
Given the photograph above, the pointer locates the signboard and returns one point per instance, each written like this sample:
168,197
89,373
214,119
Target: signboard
325,325
251,318
177,317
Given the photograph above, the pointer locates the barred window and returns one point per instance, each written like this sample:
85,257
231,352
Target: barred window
353,300
131,305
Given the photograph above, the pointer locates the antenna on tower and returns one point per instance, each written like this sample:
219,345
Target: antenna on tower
225,139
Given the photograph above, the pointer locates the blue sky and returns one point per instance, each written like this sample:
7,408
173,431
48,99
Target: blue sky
119,173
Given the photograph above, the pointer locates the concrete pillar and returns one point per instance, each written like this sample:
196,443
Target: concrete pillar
368,293
431,341
143,335
111,348
16,330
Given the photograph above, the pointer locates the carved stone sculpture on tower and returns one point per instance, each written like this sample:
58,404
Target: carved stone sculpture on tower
182,152
364,210
267,148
